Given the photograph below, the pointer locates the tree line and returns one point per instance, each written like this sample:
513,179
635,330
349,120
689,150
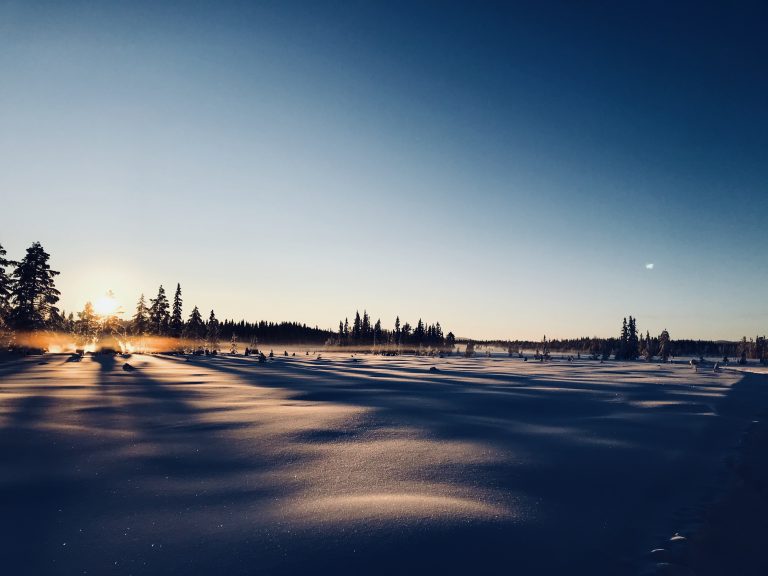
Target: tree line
164,318
631,344
363,332
29,298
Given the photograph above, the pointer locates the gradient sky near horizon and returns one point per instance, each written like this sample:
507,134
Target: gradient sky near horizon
511,170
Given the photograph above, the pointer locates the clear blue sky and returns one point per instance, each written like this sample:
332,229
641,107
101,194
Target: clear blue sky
506,170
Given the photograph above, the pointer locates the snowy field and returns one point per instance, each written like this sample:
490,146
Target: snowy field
358,465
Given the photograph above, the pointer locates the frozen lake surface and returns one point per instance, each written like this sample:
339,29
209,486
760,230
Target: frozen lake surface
357,465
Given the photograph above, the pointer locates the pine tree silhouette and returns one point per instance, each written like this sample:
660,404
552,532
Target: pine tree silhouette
140,321
212,333
6,285
33,293
633,345
177,322
195,329
159,318
357,328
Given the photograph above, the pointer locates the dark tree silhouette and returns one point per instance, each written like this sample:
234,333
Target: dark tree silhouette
140,320
6,286
177,322
34,294
87,325
633,345
357,328
195,328
212,333
365,329
159,318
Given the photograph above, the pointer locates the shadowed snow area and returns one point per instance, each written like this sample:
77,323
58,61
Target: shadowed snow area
224,465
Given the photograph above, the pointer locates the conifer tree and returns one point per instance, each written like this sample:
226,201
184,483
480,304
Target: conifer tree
159,317
212,333
664,345
140,321
633,344
34,294
365,328
418,334
68,323
5,288
177,323
623,348
195,328
87,325
357,328
233,344
648,349
405,333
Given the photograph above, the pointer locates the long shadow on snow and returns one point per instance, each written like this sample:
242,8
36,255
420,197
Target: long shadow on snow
602,469
81,499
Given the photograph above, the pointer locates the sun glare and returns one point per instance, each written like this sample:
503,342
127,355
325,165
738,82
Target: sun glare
105,306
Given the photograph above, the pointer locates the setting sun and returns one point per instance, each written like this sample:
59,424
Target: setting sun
106,305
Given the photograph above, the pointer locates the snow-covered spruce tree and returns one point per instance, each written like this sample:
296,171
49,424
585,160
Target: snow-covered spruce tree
212,333
649,347
33,292
177,322
233,345
159,318
664,345
140,321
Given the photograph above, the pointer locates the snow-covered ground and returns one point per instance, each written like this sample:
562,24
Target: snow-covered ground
357,465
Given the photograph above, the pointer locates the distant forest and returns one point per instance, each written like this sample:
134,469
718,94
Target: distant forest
631,344
28,298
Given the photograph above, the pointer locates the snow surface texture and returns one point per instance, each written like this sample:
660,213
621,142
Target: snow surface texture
223,465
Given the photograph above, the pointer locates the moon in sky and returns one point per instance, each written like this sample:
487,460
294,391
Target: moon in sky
649,266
